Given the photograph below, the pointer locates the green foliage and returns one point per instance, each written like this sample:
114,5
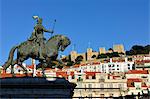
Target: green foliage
93,56
101,56
70,63
78,59
110,55
67,59
138,49
113,54
110,49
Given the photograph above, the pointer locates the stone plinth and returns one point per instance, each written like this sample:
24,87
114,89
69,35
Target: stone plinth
36,87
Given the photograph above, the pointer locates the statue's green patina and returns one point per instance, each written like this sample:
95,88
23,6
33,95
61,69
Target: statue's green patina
38,35
36,48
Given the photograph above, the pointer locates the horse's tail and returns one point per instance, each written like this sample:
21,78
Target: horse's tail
10,58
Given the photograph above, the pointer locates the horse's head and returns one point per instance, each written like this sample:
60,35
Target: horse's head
60,41
64,42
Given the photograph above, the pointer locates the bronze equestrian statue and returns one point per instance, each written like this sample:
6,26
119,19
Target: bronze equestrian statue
38,35
32,49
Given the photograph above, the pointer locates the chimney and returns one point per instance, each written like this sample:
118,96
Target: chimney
34,65
110,60
126,60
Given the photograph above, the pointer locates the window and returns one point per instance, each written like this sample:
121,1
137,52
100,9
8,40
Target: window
128,68
93,77
110,85
102,86
90,86
119,86
102,95
113,65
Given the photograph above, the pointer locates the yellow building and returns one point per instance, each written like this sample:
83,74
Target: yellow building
118,48
102,50
74,55
90,53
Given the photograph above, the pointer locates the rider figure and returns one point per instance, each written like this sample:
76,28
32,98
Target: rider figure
38,35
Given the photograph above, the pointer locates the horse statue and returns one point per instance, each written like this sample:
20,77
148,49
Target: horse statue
30,49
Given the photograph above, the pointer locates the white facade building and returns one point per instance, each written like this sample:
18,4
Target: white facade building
108,67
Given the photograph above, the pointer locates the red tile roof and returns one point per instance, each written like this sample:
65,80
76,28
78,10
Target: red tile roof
137,72
114,77
4,75
142,61
130,81
134,80
91,73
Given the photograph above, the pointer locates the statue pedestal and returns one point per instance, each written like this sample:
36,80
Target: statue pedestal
36,87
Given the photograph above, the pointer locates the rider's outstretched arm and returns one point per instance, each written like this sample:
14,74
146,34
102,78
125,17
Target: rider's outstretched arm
49,31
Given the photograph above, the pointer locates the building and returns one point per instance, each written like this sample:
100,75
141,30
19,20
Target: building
74,55
102,50
138,81
118,48
107,67
142,63
92,55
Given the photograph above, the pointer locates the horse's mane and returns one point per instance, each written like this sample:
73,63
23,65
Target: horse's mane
54,37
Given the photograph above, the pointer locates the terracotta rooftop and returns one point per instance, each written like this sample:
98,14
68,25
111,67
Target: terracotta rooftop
91,73
5,75
137,72
142,61
130,82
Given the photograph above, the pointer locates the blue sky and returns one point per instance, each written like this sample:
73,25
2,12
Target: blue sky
100,22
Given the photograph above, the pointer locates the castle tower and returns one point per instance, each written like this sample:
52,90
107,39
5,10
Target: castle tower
73,55
118,48
89,53
102,50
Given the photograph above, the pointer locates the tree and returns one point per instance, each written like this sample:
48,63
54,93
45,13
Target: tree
78,59
65,59
70,63
110,49
114,54
101,56
93,56
147,49
138,49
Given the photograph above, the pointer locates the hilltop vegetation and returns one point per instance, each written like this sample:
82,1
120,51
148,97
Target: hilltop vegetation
138,49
